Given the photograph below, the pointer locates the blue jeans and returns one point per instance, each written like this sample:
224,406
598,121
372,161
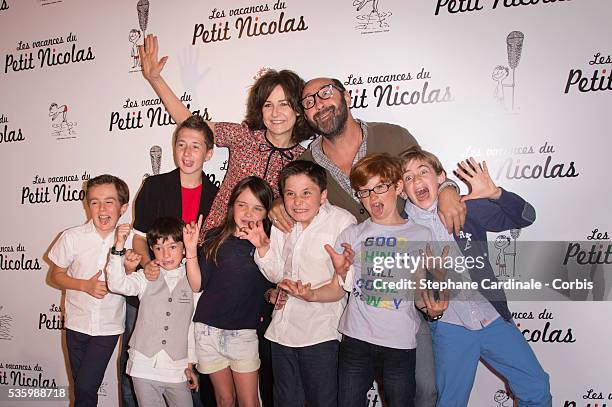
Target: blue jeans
362,362
308,373
502,346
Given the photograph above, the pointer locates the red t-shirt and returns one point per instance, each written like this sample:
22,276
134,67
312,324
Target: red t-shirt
191,203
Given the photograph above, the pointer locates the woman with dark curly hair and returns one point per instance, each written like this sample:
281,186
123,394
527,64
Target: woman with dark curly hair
267,139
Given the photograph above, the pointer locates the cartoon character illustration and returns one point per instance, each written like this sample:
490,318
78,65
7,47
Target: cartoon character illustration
5,326
102,389
59,121
501,397
374,19
133,37
514,48
500,73
501,243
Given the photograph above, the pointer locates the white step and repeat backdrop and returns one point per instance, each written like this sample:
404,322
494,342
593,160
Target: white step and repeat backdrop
524,84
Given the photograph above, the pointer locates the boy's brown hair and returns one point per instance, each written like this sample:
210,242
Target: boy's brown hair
165,228
386,166
123,192
197,123
416,153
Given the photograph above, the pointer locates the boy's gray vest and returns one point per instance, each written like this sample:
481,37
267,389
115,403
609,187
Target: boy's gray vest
163,319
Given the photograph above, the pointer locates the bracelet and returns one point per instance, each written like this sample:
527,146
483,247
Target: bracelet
448,183
267,294
427,317
192,257
432,319
117,252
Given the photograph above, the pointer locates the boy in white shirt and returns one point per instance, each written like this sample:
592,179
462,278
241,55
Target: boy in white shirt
304,335
161,347
94,318
379,325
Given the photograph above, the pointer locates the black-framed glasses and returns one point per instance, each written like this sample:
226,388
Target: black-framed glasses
378,189
324,93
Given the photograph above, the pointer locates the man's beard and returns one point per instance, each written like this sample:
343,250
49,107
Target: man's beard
333,125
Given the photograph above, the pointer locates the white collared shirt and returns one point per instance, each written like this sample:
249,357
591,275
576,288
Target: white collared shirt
83,252
160,367
301,323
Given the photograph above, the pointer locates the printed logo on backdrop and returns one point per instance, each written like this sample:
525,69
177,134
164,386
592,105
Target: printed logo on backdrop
102,390
502,399
406,88
597,77
54,189
4,5
61,128
16,258
373,398
589,261
49,2
155,154
52,319
505,257
47,52
541,327
590,398
138,114
370,18
504,76
264,19
467,6
6,325
24,374
8,134
134,36
532,161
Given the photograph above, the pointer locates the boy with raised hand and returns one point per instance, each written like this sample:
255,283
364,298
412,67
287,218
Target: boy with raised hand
162,345
94,318
379,336
480,324
304,335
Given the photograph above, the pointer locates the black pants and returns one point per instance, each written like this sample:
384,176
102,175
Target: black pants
266,378
89,356
308,373
361,362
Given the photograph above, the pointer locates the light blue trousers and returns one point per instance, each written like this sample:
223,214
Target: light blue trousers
501,345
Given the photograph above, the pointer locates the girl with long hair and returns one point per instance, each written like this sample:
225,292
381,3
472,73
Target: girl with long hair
227,314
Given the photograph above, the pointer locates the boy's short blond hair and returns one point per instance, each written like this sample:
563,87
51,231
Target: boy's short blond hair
386,166
416,153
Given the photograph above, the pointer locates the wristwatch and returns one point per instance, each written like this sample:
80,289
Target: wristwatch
117,252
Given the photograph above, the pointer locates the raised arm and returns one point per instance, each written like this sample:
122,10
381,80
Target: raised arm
119,281
151,70
496,208
192,266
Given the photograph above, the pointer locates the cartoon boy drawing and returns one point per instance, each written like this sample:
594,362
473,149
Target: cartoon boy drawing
59,121
501,243
133,38
500,73
374,17
500,397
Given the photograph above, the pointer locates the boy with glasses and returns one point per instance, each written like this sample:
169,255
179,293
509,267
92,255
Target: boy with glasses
379,332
